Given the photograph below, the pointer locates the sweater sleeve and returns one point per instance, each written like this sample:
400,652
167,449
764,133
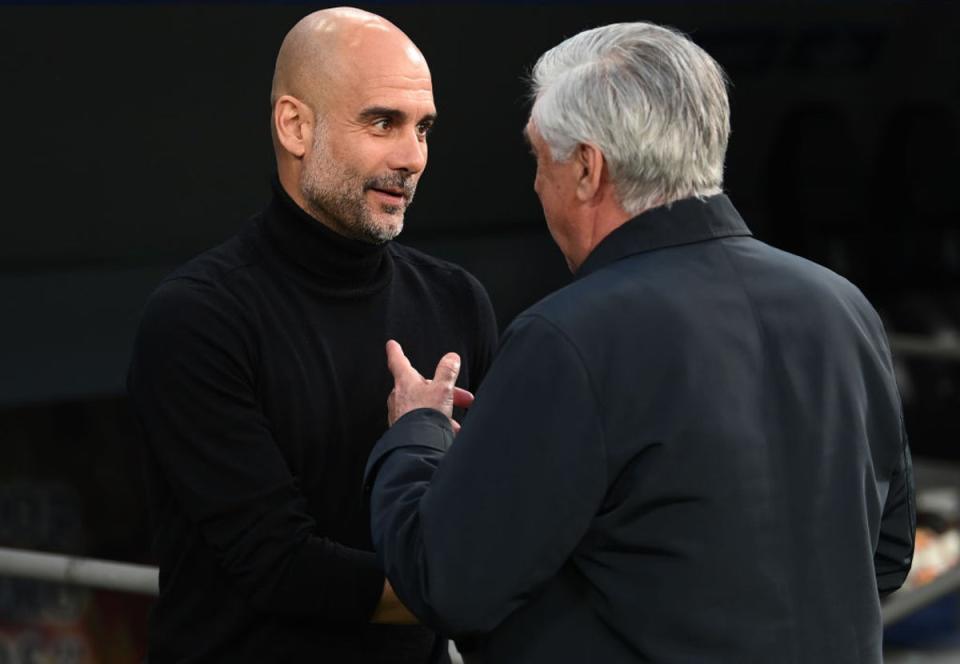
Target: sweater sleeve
192,386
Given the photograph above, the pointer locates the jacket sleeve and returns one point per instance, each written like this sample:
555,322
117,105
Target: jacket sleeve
193,389
898,526
467,536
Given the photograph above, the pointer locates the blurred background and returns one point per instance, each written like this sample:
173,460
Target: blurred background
135,135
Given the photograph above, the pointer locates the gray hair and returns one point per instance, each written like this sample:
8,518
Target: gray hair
651,100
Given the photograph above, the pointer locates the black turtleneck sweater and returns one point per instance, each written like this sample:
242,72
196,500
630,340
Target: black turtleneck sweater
259,380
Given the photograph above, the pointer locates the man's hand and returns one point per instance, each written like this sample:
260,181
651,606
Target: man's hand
412,391
390,611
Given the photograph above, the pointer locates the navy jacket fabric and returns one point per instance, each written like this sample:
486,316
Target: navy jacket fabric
693,453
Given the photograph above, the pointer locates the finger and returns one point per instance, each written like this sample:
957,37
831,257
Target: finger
447,370
455,425
462,398
391,400
397,362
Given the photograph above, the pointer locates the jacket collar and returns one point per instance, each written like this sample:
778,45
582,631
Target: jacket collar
682,222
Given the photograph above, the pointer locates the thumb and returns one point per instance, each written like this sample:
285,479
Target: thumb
448,368
397,362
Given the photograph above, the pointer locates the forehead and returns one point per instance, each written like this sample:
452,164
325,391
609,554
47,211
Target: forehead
387,75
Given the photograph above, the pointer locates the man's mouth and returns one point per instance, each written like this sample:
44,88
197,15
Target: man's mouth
394,196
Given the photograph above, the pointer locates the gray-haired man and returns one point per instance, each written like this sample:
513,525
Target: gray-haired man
694,452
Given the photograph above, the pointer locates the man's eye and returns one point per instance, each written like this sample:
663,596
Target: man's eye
424,128
382,123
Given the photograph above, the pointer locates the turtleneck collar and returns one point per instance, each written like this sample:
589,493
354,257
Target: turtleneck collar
327,260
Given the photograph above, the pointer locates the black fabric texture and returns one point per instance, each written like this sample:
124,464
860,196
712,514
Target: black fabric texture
259,380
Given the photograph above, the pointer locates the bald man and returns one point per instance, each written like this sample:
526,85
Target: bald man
256,375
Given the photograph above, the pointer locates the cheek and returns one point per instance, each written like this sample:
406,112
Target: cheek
358,153
550,191
367,155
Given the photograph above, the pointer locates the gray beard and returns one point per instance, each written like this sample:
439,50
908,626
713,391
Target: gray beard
352,218
348,212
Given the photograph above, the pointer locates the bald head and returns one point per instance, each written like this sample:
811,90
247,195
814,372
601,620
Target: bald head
325,50
352,105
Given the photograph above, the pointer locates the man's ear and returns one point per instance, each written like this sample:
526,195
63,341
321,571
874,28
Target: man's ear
293,124
590,163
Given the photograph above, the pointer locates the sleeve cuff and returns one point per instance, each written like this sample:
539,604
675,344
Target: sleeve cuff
423,427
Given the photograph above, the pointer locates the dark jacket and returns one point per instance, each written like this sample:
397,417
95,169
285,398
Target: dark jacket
693,453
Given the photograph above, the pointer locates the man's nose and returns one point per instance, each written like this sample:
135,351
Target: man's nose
409,152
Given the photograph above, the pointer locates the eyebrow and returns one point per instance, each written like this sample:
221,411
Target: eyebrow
393,114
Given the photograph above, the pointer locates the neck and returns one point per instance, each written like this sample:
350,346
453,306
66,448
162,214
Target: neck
599,220
289,179
319,253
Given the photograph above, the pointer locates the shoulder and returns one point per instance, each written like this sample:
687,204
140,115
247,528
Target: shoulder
797,279
220,265
205,294
187,326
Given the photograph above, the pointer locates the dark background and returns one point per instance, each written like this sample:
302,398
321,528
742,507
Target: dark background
135,136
